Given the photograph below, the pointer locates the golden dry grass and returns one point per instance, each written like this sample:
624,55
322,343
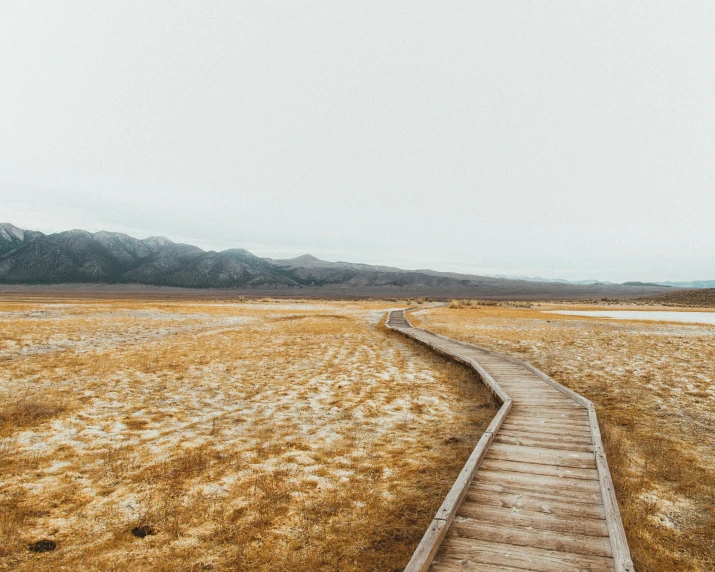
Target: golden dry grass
245,436
653,385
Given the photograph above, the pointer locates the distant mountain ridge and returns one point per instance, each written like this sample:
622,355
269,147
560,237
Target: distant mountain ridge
78,256
12,237
81,257
690,284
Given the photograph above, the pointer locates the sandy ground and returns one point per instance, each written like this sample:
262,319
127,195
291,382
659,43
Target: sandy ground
249,436
653,384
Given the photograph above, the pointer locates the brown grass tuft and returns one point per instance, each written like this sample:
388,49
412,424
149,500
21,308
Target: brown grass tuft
27,411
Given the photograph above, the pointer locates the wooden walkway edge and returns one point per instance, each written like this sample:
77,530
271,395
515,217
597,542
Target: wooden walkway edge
544,499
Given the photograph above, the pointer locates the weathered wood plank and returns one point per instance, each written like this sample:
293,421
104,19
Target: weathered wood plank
561,494
428,546
544,456
551,414
546,437
544,539
459,566
537,469
533,519
519,425
547,441
565,425
534,401
538,482
621,552
557,496
475,552
544,443
529,501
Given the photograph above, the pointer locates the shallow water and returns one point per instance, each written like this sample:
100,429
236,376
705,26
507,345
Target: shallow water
684,317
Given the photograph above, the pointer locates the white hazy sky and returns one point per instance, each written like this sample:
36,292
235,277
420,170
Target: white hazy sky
561,139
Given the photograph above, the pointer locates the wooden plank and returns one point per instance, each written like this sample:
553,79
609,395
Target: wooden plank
536,469
489,380
474,552
530,519
529,422
547,495
557,444
543,417
621,553
543,456
532,385
546,412
578,439
512,423
458,566
562,438
523,399
534,388
548,432
536,396
518,391
555,494
560,494
427,548
559,404
538,482
540,400
548,439
562,388
544,539
538,422
538,458
531,502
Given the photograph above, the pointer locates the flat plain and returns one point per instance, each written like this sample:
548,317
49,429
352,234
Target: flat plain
302,435
653,385
199,435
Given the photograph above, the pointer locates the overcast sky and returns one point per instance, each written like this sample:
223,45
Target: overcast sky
557,139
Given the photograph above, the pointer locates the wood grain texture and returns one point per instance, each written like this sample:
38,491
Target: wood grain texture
536,493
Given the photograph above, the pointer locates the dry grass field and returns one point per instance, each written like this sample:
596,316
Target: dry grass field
150,435
653,384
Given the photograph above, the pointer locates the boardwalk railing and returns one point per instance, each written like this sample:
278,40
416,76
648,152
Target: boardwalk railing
433,538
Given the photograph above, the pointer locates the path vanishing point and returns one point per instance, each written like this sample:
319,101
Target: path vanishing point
536,492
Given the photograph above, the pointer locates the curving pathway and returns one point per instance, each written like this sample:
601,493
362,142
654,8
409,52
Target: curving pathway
536,493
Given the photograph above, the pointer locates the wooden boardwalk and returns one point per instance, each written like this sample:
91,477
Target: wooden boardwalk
536,493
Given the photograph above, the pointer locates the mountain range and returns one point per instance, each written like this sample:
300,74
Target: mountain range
688,284
81,257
